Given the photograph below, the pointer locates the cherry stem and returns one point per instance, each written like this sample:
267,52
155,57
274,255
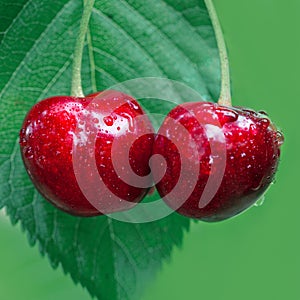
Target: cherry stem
225,94
76,89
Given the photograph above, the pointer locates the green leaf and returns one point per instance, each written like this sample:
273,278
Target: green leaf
126,40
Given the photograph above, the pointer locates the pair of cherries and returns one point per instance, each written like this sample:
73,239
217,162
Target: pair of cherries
218,160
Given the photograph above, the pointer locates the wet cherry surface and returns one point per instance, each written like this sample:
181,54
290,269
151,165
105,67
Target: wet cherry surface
236,147
58,127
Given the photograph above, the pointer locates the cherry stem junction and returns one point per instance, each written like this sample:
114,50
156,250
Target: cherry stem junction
76,89
225,94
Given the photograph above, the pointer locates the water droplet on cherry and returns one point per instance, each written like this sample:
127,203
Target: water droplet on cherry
226,115
279,137
264,122
256,186
109,121
249,111
29,153
253,129
260,201
262,112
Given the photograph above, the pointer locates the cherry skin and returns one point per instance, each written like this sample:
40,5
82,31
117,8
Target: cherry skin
58,127
236,147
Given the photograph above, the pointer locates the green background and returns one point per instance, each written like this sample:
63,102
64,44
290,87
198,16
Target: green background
253,256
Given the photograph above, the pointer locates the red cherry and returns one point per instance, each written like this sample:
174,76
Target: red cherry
63,132
231,154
